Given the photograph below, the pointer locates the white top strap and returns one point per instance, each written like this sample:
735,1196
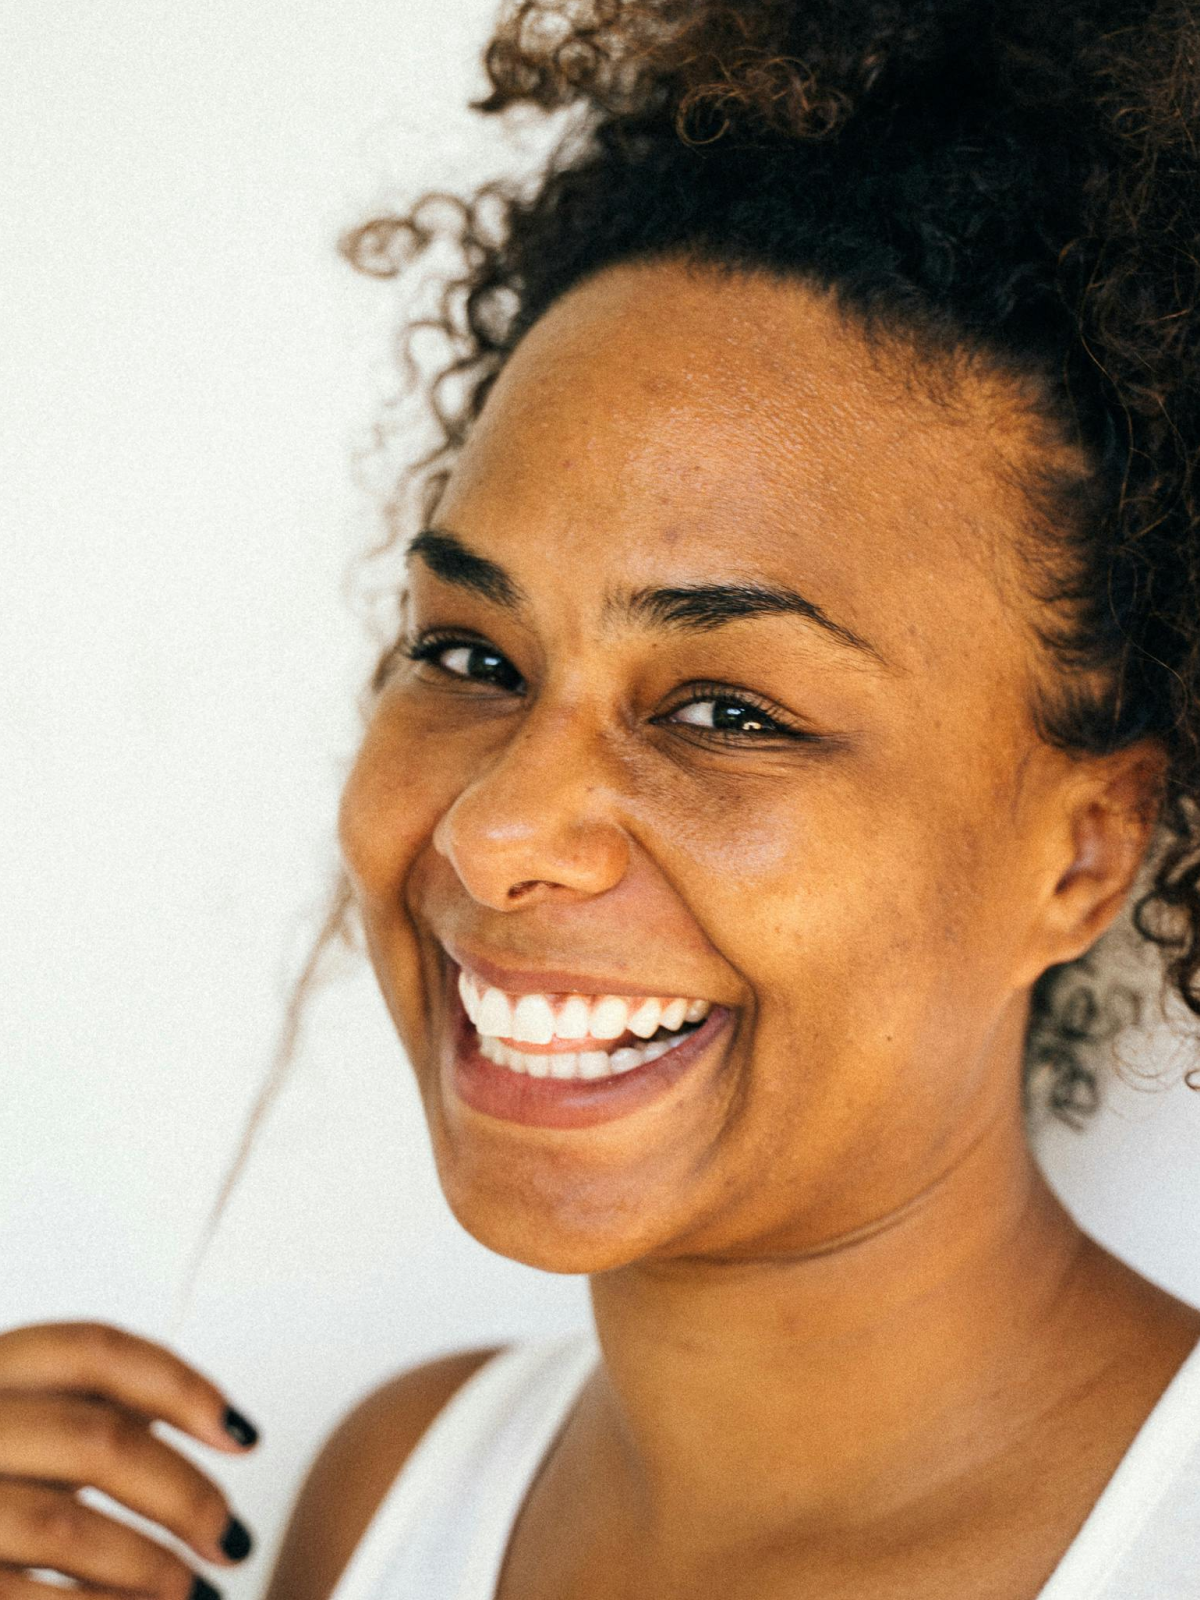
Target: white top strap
441,1532
1141,1540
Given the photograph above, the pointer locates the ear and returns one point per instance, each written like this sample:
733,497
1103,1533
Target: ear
1111,813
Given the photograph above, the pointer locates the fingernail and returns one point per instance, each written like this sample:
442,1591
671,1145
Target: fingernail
236,1541
203,1591
236,1426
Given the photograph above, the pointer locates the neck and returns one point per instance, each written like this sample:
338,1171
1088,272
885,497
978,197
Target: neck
871,1373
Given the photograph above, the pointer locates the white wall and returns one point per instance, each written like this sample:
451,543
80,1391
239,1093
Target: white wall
188,368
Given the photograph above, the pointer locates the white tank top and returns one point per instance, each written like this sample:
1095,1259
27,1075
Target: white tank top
442,1530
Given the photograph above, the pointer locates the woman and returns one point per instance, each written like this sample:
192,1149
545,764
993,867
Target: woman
798,665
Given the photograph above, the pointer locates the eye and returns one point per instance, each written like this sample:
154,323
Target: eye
733,716
726,716
472,660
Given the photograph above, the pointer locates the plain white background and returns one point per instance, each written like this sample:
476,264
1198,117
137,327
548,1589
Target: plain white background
188,372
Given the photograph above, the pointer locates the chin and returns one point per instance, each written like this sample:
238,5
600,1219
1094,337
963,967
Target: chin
551,1244
546,1213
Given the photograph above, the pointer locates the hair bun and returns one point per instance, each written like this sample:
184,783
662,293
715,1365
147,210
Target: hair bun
800,68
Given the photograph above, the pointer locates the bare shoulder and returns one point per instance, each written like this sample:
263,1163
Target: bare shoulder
354,1469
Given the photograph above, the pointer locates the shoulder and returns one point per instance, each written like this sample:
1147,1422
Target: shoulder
354,1470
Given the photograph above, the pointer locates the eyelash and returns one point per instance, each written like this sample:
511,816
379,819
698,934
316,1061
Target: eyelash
429,647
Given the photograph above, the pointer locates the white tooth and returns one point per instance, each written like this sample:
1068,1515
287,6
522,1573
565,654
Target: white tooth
490,1048
673,1015
495,1014
573,1018
645,1019
625,1060
610,1017
466,993
697,1010
594,1064
656,1048
536,1066
532,1020
565,1065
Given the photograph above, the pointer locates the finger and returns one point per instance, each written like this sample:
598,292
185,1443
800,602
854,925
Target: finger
51,1529
18,1586
94,1358
72,1440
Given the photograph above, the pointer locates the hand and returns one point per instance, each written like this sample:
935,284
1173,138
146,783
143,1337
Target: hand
76,1403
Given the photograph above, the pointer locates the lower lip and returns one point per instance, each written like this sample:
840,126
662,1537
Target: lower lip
569,1102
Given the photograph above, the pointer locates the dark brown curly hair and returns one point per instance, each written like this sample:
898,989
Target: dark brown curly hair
1019,182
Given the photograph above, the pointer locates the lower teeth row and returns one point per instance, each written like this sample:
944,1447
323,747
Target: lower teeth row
576,1064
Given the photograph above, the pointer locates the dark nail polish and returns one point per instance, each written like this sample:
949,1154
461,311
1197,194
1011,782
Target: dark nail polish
236,1541
203,1591
236,1426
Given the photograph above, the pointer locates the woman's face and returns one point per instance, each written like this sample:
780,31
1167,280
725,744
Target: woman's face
632,763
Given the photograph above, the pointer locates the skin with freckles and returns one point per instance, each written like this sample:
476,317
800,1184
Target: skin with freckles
845,1324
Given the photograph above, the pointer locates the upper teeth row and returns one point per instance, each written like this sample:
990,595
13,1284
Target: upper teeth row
536,1019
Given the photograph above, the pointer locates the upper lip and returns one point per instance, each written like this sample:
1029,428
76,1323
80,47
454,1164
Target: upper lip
545,980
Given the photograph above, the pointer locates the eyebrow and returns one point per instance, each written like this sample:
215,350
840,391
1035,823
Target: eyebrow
701,607
687,608
453,561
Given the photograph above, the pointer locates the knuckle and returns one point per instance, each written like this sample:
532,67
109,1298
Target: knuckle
93,1349
96,1338
55,1522
102,1433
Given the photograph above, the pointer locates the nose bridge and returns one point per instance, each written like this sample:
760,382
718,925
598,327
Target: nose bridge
541,812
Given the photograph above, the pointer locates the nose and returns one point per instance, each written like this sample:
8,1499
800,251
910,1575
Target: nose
539,823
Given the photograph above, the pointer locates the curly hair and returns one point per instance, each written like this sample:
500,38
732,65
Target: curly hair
1017,183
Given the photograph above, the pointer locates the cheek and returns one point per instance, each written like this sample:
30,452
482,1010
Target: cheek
841,896
776,860
388,810
389,807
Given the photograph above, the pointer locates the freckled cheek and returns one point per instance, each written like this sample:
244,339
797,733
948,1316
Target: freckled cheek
813,897
754,875
760,849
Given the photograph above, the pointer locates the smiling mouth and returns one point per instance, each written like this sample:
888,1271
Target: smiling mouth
554,1060
576,1036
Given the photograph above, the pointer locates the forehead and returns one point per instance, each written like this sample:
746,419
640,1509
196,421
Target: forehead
680,423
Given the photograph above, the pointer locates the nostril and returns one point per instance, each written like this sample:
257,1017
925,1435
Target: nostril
520,890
